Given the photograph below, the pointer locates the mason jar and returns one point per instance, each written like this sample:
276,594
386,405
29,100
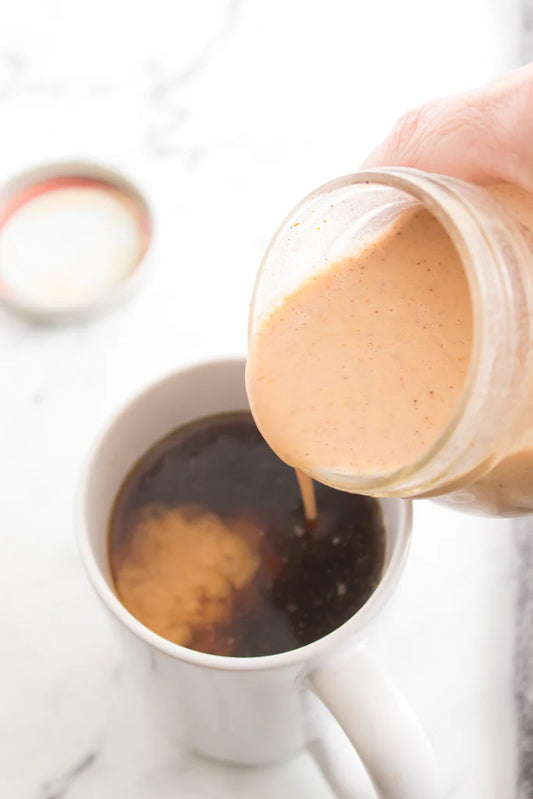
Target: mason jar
483,459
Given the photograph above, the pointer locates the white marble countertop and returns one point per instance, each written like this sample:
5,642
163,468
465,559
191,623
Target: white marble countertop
226,114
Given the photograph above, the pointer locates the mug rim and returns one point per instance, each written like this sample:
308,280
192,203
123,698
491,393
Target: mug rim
338,638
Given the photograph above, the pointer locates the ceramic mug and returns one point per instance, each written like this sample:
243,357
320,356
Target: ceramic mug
253,710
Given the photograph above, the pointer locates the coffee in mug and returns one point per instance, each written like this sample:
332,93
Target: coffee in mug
209,546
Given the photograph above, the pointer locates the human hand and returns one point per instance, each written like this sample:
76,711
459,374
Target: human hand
485,135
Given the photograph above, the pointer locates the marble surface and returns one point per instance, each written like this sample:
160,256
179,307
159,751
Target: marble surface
523,657
226,114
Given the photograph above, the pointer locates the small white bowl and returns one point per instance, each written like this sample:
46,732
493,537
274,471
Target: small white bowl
112,228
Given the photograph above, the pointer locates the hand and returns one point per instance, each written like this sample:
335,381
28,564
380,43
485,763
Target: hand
485,135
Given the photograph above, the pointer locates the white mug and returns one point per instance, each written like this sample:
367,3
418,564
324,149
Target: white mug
253,710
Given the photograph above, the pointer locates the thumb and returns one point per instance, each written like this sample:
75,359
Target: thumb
484,135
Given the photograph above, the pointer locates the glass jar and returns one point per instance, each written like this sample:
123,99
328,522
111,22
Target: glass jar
483,459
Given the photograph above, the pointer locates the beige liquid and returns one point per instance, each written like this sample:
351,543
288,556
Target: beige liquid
360,369
307,490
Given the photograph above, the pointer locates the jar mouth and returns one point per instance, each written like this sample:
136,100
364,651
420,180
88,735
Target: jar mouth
447,200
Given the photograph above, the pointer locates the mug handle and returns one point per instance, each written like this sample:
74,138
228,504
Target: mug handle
380,724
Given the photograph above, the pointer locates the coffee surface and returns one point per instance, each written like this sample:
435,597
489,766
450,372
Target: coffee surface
209,547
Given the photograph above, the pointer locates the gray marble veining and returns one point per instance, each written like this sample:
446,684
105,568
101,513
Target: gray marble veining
59,787
524,656
527,30
169,110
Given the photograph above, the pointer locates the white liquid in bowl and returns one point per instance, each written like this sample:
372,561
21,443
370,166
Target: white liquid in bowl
64,243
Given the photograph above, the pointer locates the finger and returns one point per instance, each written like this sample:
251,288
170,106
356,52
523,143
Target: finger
483,136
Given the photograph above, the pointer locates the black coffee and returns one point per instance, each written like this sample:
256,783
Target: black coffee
209,547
